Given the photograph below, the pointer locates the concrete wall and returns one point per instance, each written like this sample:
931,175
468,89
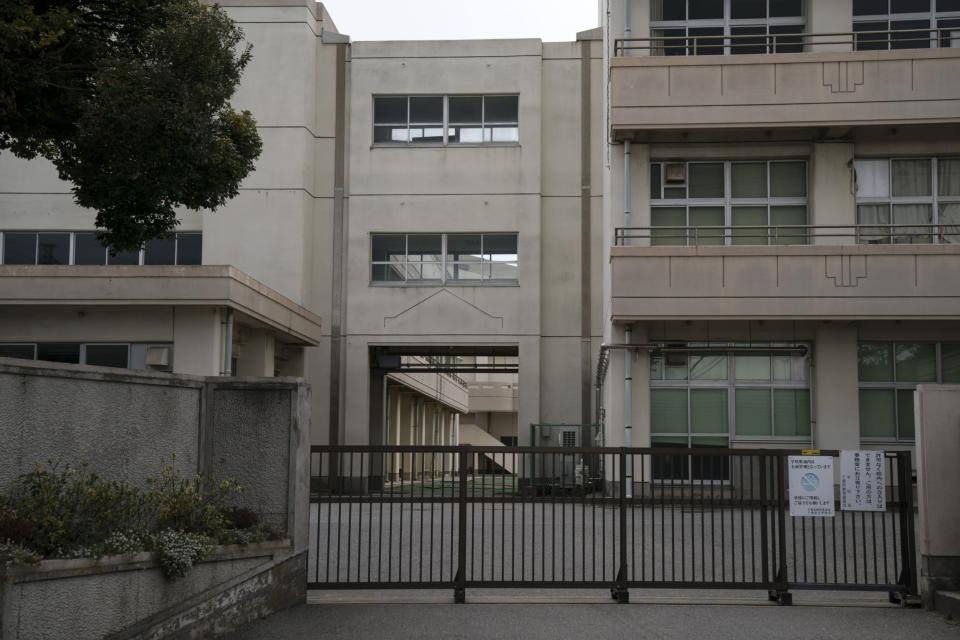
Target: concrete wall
126,425
128,597
937,417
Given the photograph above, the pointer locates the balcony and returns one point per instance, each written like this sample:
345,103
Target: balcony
806,82
836,273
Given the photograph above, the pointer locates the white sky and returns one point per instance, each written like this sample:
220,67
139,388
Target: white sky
549,20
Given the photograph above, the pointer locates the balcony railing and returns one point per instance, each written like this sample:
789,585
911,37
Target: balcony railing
788,235
706,45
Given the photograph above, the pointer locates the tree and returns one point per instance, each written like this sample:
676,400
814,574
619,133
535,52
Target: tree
130,100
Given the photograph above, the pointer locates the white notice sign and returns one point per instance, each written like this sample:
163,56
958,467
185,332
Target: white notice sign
811,486
862,481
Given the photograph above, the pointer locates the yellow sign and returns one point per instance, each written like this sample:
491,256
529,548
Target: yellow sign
811,452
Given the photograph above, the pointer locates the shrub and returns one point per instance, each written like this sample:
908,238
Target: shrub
240,518
72,511
178,551
196,504
14,554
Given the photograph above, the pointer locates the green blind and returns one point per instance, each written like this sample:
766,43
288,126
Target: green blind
753,412
878,417
668,411
791,412
709,409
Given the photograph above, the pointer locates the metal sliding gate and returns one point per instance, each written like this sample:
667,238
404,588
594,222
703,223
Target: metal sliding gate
487,517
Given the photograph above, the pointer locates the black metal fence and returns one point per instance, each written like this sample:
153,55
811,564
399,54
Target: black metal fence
469,517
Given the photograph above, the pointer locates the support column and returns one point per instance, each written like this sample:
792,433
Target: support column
257,357
832,202
835,388
834,16
197,345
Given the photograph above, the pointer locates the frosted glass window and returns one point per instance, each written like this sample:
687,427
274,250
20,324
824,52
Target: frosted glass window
753,412
911,178
905,414
950,362
708,367
948,177
668,217
668,411
749,217
916,362
788,179
875,361
748,179
708,411
752,367
705,180
707,217
873,178
791,412
878,417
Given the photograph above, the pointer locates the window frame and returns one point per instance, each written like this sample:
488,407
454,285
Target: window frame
731,384
82,350
934,199
728,202
72,247
446,121
443,281
896,385
727,23
932,17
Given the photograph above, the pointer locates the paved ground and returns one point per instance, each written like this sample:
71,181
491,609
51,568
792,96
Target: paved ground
529,616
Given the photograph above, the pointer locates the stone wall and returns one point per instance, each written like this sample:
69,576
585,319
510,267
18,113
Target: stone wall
125,425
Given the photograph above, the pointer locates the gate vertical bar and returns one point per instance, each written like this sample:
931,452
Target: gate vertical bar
783,502
623,596
908,542
460,586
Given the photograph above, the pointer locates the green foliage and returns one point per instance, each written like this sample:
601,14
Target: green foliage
130,101
12,554
64,511
74,510
178,551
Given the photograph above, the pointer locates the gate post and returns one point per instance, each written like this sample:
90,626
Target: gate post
909,594
783,504
460,580
622,595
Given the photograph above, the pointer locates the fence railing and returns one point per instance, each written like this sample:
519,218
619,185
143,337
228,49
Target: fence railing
720,44
788,234
612,518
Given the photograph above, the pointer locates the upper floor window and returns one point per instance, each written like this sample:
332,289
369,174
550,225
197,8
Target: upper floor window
717,27
714,203
83,248
439,258
906,24
446,119
901,199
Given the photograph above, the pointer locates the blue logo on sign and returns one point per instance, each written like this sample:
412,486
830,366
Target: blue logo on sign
810,482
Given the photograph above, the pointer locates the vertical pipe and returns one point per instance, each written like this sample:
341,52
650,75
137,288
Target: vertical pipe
627,19
628,409
228,344
627,191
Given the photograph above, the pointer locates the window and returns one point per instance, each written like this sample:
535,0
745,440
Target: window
717,27
705,399
906,24
888,373
761,202
446,119
120,355
438,258
899,199
83,248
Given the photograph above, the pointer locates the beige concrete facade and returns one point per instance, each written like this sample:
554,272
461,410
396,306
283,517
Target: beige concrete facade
303,227
828,106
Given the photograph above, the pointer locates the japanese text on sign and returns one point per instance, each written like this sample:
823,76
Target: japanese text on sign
811,486
862,481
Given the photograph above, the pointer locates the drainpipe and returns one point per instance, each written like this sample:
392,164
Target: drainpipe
228,344
627,21
628,408
627,190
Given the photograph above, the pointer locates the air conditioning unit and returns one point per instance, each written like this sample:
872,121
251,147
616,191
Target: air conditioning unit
676,173
158,357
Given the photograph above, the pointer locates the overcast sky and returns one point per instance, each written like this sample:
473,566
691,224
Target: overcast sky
550,20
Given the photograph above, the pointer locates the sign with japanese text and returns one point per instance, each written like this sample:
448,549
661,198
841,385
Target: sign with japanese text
862,481
811,486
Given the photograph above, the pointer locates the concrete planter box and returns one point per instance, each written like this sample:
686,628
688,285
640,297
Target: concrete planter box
128,596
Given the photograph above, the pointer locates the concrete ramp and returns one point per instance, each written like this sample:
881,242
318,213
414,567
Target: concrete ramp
474,435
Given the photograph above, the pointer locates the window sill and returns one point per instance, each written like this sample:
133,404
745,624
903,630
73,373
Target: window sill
433,145
440,285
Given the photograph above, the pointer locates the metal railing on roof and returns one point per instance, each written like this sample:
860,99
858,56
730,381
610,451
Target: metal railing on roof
788,234
695,44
